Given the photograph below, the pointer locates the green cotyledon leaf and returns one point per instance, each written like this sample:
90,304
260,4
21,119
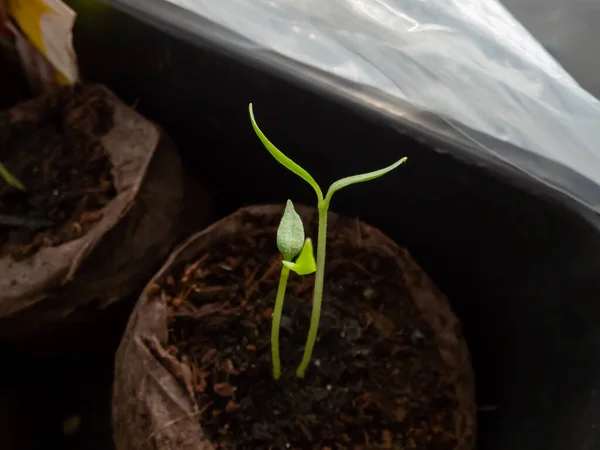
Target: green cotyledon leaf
305,264
282,159
360,179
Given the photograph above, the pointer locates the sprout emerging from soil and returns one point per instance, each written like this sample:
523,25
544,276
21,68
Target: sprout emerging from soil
10,178
291,243
323,207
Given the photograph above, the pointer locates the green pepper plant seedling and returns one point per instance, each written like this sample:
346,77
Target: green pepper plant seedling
322,207
10,178
291,243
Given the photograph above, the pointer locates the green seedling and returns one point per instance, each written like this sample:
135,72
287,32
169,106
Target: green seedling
10,178
291,244
323,207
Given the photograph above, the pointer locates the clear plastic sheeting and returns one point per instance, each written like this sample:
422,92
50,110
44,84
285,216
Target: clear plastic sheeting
468,62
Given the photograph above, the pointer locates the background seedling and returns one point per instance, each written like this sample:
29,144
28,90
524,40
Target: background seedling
10,178
323,207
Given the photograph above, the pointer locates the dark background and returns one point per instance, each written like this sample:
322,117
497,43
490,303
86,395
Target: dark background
519,269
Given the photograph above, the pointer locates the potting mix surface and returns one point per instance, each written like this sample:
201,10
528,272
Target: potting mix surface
376,379
57,154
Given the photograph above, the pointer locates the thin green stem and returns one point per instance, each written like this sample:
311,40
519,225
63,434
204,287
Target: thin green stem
285,272
318,291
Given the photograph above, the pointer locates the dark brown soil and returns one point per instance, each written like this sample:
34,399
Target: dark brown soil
58,156
376,381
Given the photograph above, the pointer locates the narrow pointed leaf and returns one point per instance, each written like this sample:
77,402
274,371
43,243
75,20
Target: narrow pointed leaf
10,178
282,159
290,234
360,178
305,263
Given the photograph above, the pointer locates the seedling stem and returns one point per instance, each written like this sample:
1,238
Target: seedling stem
285,272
